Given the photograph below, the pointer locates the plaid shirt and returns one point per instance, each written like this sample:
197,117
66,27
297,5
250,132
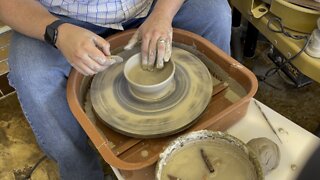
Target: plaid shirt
106,13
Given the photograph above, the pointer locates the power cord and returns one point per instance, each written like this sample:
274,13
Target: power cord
28,176
282,30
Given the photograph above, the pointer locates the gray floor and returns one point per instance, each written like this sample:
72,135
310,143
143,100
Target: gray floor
301,105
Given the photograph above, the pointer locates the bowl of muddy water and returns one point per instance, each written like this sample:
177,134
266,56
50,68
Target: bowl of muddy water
208,155
149,85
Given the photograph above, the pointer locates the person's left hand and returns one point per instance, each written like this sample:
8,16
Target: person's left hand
156,36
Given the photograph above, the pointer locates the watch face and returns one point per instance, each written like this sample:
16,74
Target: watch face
50,35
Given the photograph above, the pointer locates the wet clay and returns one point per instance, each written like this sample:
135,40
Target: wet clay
228,162
115,104
146,77
267,152
215,116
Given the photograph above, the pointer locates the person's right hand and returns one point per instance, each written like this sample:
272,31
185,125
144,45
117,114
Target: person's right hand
84,50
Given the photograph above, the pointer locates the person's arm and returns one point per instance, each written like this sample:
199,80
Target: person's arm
83,49
156,34
167,8
28,17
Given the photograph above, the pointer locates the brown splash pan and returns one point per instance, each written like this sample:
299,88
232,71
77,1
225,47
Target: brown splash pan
127,153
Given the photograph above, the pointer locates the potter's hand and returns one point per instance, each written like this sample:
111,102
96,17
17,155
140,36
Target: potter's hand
84,50
156,36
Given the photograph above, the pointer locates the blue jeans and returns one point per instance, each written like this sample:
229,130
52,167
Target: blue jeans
39,74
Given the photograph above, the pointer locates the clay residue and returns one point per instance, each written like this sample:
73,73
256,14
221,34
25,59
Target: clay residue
267,152
146,77
120,108
183,159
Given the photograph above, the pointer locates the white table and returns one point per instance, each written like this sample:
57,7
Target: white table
297,143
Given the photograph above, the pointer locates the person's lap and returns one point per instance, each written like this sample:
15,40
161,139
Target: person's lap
39,73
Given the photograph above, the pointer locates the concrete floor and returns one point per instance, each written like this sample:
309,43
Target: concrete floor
301,105
19,151
18,148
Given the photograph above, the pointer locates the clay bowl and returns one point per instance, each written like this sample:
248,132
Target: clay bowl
187,156
124,152
145,84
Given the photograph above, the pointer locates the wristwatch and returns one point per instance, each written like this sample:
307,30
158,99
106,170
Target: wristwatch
51,33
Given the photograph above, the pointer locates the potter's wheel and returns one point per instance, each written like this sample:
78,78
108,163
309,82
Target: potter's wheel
114,103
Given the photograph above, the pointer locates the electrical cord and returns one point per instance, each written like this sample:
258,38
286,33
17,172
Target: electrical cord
282,30
285,78
28,176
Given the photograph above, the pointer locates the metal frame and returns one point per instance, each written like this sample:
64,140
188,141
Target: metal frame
287,47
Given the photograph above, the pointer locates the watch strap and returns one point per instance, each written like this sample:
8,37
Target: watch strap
51,33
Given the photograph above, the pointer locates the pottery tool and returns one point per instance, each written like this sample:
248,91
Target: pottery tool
267,120
206,160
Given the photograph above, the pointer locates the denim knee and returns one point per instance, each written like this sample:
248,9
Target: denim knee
39,74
